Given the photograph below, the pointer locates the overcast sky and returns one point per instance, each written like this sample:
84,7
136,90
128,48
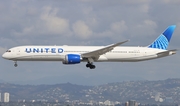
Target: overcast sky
87,22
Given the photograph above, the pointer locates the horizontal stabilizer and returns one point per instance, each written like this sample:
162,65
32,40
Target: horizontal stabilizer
167,53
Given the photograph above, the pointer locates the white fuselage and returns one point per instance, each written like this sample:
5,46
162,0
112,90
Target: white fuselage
57,53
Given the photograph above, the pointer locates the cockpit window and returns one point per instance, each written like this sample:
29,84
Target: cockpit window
8,51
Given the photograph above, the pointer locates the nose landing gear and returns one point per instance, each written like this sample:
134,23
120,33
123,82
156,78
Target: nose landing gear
15,64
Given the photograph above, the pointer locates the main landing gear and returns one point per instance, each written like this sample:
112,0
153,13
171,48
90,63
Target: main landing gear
15,64
90,65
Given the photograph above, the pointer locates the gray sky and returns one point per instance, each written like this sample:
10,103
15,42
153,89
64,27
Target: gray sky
87,22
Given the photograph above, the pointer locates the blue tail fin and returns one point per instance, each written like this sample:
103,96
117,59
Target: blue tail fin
163,40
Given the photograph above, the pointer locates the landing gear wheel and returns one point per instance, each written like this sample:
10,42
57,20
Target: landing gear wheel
15,64
90,66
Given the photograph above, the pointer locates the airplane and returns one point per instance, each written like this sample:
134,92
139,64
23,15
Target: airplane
91,54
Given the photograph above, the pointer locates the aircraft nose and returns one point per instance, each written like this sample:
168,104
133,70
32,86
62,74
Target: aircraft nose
5,56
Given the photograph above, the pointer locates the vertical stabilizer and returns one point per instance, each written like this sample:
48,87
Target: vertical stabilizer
163,40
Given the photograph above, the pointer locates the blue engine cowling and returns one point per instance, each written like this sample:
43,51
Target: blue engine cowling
72,59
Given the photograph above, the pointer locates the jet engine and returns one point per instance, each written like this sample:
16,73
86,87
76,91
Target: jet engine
72,59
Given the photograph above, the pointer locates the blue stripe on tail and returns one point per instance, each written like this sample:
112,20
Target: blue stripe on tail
163,40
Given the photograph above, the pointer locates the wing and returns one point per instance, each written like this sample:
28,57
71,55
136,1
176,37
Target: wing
97,53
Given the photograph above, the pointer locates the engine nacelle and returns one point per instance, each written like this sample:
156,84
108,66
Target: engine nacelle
72,59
